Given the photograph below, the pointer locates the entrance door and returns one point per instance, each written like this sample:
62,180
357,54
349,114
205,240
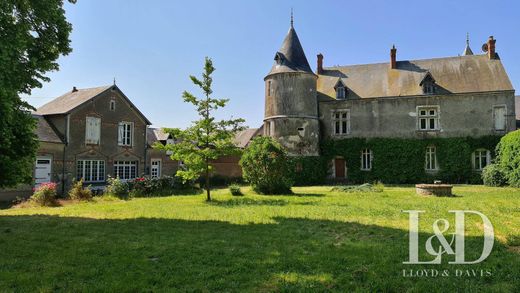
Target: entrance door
42,170
339,168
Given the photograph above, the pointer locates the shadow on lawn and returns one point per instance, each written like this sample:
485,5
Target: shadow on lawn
247,201
50,253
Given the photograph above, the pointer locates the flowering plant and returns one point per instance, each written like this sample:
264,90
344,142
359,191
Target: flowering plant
45,194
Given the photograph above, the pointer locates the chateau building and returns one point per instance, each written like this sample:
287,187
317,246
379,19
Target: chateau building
469,95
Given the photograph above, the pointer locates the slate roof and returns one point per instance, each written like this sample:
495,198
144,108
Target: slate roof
291,54
156,134
243,138
462,74
70,100
45,132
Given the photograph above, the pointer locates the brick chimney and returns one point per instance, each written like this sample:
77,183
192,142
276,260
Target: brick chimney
491,48
393,61
74,89
319,69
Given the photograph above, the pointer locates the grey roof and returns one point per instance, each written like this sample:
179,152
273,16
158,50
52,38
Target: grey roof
290,57
64,103
462,74
156,134
44,131
69,101
467,51
243,138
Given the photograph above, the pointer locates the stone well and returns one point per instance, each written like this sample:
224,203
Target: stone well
434,189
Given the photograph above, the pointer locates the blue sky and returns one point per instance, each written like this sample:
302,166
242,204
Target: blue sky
151,47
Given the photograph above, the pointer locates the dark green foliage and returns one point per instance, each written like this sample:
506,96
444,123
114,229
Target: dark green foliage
493,175
508,156
309,170
235,190
33,34
150,187
402,161
77,192
219,180
266,167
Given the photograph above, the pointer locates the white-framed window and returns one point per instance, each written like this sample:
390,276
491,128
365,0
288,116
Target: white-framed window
499,117
428,118
366,160
90,170
340,92
431,159
92,130
125,169
112,105
481,158
155,168
340,122
125,133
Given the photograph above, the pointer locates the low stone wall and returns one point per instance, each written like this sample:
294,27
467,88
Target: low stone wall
10,194
434,189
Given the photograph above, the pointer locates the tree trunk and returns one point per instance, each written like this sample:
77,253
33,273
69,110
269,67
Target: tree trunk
208,195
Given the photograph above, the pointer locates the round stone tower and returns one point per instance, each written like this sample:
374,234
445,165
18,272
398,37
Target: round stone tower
291,105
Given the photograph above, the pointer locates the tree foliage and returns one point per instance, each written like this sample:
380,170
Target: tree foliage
508,157
33,34
207,139
266,166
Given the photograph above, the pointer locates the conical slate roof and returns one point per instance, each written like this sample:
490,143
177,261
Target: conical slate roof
290,57
467,51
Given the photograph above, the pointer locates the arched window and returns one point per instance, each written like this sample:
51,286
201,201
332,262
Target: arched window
481,158
366,159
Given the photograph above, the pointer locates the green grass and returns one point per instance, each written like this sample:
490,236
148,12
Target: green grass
314,240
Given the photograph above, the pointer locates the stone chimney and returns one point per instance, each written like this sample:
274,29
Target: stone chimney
74,89
319,69
393,54
491,48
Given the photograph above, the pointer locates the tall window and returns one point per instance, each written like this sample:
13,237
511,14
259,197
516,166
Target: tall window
92,130
269,88
428,118
499,117
481,158
125,169
112,105
431,158
155,170
90,170
341,122
340,92
366,159
429,88
126,131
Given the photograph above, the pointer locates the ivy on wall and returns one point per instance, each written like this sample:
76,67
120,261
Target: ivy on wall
395,160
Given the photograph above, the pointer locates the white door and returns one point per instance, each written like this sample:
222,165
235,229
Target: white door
42,170
156,168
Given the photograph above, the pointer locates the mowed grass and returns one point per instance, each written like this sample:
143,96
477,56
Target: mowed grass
314,240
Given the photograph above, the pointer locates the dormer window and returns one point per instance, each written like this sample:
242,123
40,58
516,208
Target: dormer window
428,84
341,90
279,58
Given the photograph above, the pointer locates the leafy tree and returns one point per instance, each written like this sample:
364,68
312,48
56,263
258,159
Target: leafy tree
266,166
206,139
508,157
33,34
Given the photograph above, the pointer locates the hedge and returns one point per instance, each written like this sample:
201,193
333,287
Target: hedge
396,161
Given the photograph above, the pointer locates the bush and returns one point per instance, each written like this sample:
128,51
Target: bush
148,187
235,190
117,188
266,167
508,157
45,194
493,175
367,187
77,192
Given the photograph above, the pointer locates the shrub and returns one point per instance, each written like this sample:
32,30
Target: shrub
77,192
493,175
266,167
235,190
45,194
117,188
166,185
508,157
367,187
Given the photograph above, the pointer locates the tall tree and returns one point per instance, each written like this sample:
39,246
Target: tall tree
206,139
33,34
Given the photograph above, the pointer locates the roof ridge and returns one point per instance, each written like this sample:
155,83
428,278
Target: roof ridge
409,60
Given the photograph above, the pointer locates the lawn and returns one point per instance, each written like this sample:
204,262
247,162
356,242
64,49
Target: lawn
314,240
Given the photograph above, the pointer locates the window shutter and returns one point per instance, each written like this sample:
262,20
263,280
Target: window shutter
121,131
